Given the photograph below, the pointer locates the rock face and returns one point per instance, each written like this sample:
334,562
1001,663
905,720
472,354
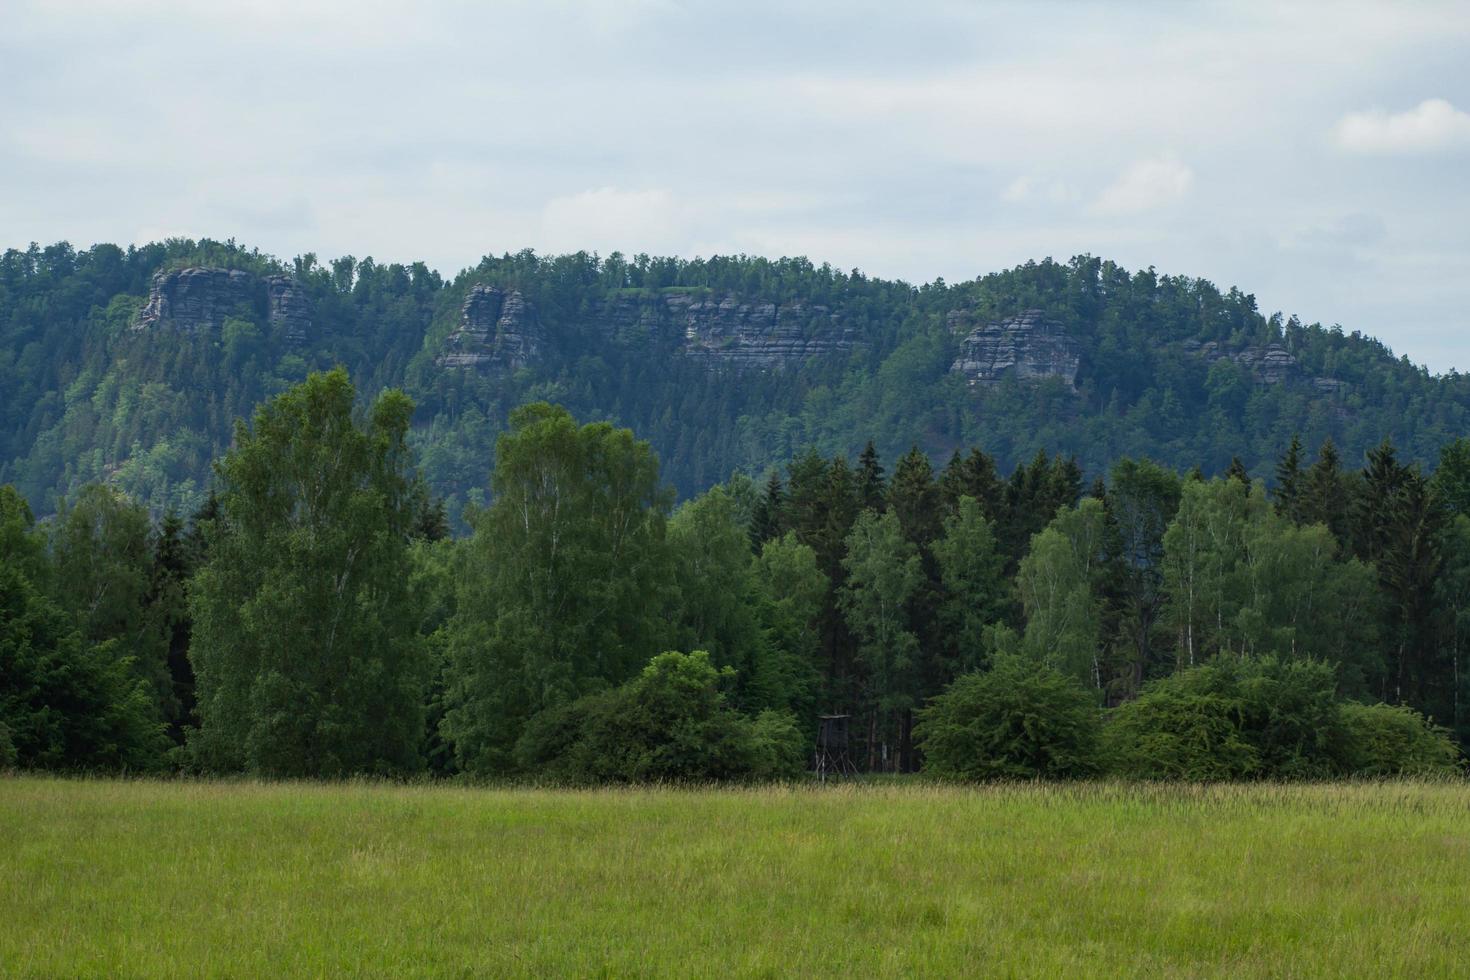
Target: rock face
499,330
191,300
200,298
1269,364
727,334
287,308
1027,346
496,330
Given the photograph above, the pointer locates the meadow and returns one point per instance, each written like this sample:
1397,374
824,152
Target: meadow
144,878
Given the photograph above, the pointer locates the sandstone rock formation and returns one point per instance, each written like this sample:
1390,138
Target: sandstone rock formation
200,298
496,330
727,334
1028,346
195,299
288,309
1269,364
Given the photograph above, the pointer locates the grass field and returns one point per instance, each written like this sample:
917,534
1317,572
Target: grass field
244,879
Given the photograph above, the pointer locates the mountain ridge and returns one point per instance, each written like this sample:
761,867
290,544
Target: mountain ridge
132,365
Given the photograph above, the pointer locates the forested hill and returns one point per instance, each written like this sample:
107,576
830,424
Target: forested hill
131,366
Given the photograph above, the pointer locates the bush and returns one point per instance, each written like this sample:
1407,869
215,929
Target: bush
1018,720
1233,718
1171,733
1396,740
669,723
7,749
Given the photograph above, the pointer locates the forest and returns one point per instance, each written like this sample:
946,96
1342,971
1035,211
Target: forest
96,388
316,616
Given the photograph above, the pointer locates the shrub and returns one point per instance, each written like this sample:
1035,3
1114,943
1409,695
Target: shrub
1396,740
1018,720
7,749
1232,718
671,722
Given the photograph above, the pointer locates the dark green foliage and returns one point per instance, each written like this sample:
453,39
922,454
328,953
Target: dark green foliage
1233,718
1019,720
670,723
63,703
305,638
83,398
1395,740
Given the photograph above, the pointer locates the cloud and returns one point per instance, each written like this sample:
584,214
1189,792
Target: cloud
1028,189
1432,125
1146,185
608,219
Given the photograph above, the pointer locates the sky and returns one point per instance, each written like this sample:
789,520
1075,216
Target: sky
1315,155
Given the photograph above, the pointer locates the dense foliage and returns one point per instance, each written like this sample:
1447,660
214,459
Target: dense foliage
314,617
85,398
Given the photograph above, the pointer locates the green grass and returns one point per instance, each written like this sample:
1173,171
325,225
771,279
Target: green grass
101,878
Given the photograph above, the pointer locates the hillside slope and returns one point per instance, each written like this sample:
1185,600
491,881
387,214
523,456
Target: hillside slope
132,365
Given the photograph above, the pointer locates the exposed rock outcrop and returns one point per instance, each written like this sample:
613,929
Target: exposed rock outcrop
496,330
728,334
1027,346
195,299
201,298
500,330
287,308
1270,364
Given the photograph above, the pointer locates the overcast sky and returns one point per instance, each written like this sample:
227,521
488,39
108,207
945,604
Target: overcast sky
1316,155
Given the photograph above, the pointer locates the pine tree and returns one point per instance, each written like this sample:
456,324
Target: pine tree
1237,471
1288,482
872,489
768,522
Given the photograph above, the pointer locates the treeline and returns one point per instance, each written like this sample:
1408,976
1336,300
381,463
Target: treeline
85,399
315,617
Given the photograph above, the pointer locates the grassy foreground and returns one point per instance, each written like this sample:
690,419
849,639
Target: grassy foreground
245,879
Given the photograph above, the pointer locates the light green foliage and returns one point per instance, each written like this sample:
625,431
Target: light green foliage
883,576
1236,717
971,570
1244,579
306,634
554,595
1396,740
671,722
791,591
1056,583
1018,720
712,602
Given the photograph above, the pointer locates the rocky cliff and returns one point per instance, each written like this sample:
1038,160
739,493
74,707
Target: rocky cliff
499,330
1270,364
726,334
1027,346
200,298
496,330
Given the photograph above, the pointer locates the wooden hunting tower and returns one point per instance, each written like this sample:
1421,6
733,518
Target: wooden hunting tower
832,759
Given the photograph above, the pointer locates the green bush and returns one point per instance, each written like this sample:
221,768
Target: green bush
1171,733
1018,720
670,723
7,749
1233,718
1396,740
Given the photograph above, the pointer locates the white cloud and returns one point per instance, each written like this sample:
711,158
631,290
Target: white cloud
607,219
1028,189
1433,124
1146,184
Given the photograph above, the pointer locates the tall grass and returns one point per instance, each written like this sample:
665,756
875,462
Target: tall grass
101,878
